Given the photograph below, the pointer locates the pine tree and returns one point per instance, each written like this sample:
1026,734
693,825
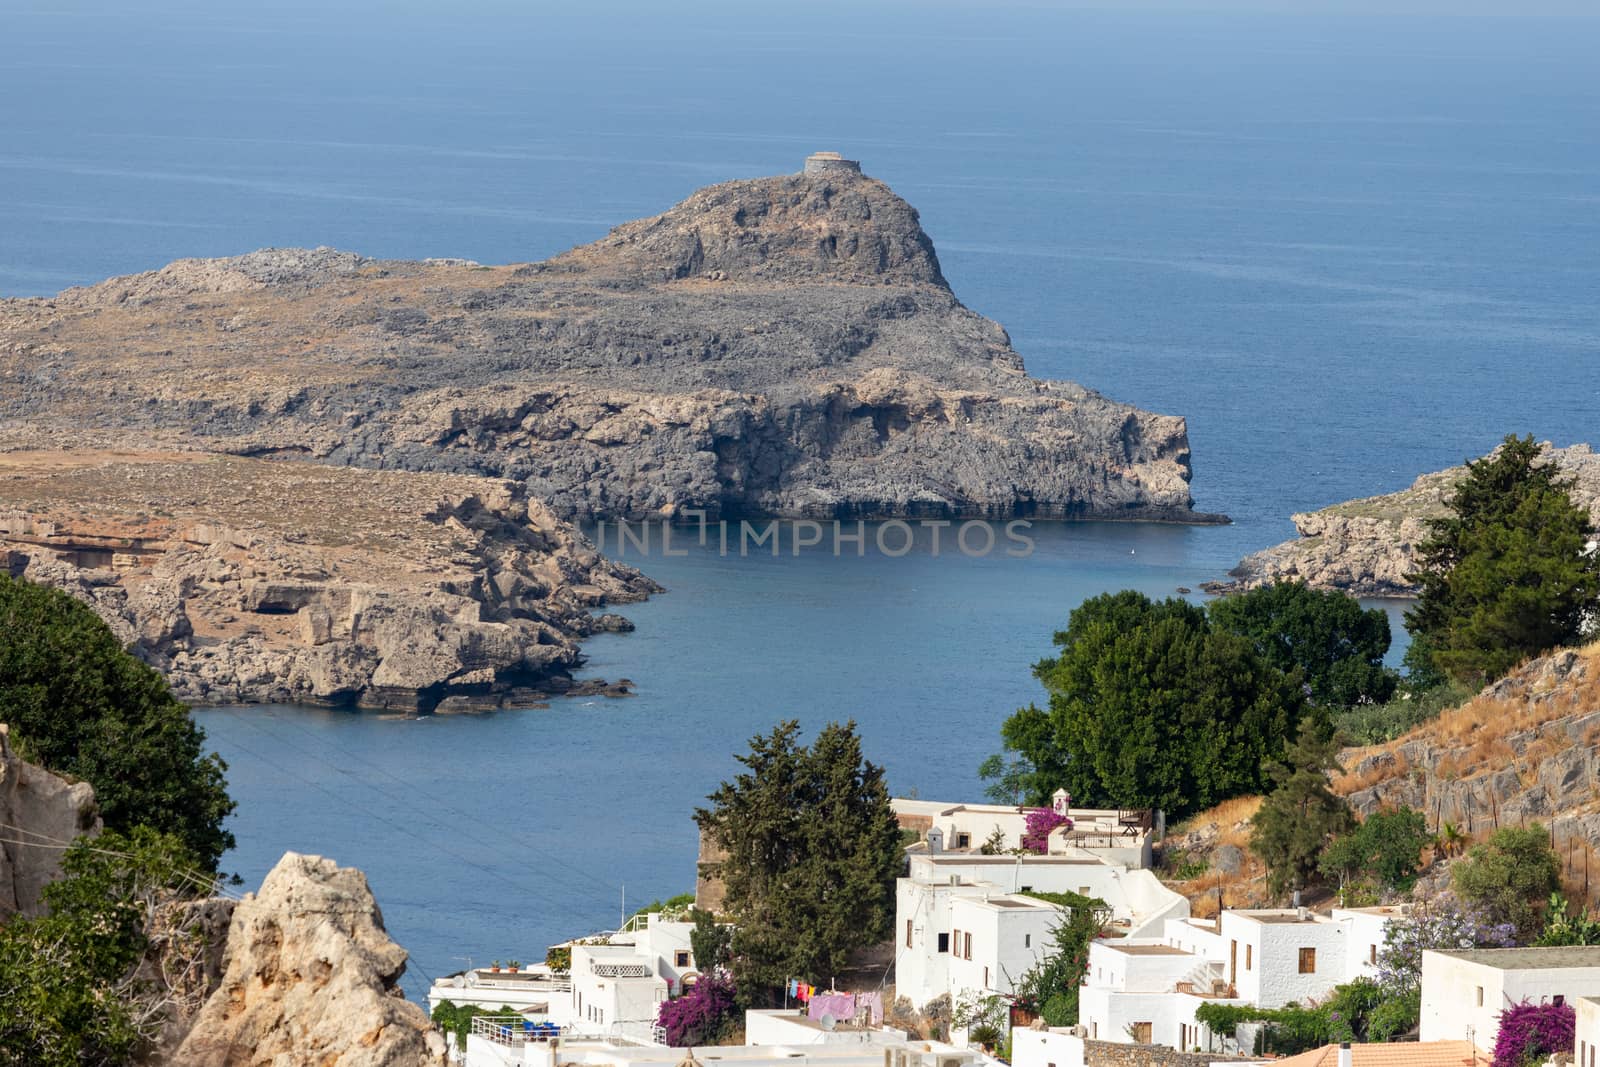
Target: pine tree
812,849
1508,572
1301,815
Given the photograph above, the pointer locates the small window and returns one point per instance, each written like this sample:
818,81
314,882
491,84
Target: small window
680,958
1558,1000
1480,996
1372,955
944,942
986,978
1248,955
1083,891
966,946
1027,940
962,841
1308,961
1094,1029
908,933
956,948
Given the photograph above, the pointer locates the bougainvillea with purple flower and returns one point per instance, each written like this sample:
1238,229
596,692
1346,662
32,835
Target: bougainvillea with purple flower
1531,1032
1037,827
702,1015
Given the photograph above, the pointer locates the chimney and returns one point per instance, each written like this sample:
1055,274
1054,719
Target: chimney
1346,1057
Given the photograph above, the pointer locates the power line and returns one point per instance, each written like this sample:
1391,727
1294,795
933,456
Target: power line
551,857
467,860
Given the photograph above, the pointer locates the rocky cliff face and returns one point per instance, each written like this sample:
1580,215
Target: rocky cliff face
40,812
250,580
310,978
1367,547
1526,749
779,346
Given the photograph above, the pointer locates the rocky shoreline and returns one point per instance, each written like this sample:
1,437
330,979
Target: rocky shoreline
782,347
256,581
1367,547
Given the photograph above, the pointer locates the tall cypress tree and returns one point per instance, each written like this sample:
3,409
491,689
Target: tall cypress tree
1508,572
812,850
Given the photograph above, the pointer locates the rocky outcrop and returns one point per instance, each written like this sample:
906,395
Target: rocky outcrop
1526,749
783,346
310,978
250,580
40,812
1367,547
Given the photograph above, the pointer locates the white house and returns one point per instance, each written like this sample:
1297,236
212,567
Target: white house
1464,992
1121,836
501,1043
614,986
1587,1033
1147,989
964,922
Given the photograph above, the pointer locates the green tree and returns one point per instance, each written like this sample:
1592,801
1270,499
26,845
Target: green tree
812,849
710,942
1050,987
1506,573
80,705
1337,645
71,989
1387,845
1510,876
1152,706
1301,814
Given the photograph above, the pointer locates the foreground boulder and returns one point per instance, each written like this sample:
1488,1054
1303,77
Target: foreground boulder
40,812
251,580
780,346
310,978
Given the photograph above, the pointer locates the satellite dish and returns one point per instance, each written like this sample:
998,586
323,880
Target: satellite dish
460,981
827,1022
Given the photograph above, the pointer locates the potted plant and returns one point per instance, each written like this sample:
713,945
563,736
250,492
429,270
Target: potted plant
496,967
513,965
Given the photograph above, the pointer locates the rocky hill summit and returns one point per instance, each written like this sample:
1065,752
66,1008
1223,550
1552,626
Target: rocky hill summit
247,580
781,346
1526,749
1367,547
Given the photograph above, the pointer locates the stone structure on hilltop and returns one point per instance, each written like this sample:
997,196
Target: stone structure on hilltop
779,346
41,812
310,978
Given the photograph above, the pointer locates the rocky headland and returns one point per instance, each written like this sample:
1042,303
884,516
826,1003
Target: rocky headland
249,580
782,346
1367,547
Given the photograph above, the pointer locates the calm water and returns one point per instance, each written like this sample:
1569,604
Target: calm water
1348,249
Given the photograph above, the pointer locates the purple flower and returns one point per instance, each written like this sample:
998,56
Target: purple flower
1037,827
1530,1032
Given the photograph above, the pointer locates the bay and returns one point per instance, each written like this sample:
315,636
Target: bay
1348,248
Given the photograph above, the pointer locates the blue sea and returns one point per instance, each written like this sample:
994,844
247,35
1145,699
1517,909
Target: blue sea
1349,249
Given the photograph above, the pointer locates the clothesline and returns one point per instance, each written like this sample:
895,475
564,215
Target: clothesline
843,1007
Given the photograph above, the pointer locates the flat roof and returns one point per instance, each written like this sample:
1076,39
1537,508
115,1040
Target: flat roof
1146,950
1528,959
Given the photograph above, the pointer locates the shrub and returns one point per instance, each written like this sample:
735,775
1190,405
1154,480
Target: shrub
1530,1032
1511,876
702,1015
1037,827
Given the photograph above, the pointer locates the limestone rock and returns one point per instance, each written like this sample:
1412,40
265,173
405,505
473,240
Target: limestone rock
1228,859
783,346
41,812
1367,547
310,978
249,580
